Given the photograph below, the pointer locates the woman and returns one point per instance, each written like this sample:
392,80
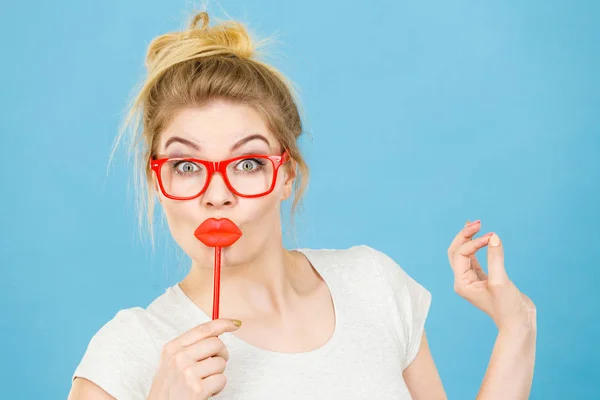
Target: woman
326,324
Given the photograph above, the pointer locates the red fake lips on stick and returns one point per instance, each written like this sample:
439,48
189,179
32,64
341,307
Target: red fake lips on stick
217,233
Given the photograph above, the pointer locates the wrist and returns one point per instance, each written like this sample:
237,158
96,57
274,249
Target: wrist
518,335
523,326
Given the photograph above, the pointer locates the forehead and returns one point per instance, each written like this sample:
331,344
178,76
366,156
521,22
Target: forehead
217,126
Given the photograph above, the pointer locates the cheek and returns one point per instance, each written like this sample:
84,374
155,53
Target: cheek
260,222
182,217
262,207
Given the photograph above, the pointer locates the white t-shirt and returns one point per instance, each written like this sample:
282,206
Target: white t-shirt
380,315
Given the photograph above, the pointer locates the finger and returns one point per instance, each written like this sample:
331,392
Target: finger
206,368
474,222
209,347
465,234
208,329
481,275
496,271
214,384
461,261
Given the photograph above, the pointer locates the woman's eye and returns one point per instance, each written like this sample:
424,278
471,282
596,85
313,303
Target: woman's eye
247,165
186,167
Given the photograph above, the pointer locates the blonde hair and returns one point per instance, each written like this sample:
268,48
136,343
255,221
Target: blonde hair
194,67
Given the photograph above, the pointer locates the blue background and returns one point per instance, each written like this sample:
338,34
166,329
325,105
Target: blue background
424,114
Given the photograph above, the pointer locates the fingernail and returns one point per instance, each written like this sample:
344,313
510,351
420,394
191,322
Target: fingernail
494,240
237,322
472,223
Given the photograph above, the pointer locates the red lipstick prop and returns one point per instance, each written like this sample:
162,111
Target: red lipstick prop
217,233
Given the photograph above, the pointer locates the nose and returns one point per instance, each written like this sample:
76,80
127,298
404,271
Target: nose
217,194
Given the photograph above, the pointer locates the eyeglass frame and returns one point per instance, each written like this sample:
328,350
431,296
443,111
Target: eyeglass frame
218,166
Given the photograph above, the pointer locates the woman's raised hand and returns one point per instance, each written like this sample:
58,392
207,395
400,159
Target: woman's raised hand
494,292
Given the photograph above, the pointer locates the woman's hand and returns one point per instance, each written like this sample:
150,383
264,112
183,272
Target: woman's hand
192,364
494,293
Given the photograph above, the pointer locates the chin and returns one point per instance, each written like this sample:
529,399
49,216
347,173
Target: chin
237,254
240,252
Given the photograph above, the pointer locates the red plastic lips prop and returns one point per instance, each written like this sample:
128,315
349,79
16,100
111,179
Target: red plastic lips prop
217,233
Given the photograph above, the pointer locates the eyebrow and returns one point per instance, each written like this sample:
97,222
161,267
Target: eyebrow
240,143
177,139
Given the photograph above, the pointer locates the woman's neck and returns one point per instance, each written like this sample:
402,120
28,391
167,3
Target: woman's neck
267,285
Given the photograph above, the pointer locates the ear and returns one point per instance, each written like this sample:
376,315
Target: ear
290,176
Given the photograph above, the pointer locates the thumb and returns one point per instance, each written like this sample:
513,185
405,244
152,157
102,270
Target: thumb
496,272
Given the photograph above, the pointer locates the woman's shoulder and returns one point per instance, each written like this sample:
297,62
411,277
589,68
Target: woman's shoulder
119,356
366,271
128,326
122,355
141,326
332,258
363,260
371,270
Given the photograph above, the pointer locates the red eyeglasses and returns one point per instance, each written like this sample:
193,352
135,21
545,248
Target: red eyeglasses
246,176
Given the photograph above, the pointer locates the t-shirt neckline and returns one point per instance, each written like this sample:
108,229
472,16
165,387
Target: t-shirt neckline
322,270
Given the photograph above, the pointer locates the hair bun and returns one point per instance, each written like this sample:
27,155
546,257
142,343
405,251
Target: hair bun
203,15
229,35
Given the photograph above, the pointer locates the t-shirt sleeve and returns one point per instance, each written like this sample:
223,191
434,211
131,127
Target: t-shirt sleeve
410,302
120,357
